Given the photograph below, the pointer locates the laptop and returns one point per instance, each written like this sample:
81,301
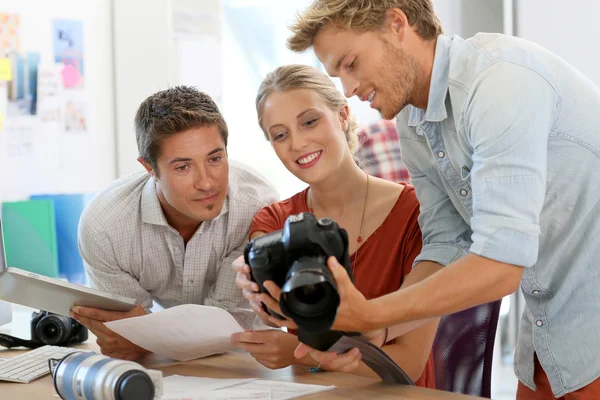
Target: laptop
50,294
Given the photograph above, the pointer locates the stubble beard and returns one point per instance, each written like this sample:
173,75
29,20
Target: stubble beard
400,72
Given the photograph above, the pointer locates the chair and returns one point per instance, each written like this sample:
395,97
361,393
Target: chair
463,350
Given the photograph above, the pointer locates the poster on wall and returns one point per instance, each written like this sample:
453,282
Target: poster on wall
9,33
68,49
22,89
50,92
19,69
75,113
18,134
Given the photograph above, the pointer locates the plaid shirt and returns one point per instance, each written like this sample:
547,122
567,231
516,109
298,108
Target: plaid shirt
378,152
129,249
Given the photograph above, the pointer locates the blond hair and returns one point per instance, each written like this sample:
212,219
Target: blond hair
361,16
296,76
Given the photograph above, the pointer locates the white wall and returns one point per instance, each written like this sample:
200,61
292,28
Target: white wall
569,29
146,61
249,53
67,164
150,35
141,49
465,18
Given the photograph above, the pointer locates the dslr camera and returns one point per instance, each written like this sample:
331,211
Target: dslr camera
56,330
295,258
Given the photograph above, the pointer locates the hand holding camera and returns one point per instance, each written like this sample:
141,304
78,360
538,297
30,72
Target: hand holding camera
294,259
316,290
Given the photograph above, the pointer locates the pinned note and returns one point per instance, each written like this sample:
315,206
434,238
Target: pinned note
5,70
70,76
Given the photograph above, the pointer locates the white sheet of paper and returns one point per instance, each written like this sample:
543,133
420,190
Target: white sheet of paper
282,390
225,394
178,386
182,333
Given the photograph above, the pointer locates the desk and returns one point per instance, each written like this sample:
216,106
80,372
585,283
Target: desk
240,365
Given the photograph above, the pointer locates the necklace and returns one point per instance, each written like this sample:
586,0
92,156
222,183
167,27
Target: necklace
362,219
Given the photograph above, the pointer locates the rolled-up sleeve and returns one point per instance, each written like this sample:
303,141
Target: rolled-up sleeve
507,118
445,233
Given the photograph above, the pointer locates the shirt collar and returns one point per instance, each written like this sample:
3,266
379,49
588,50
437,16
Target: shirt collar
438,89
152,212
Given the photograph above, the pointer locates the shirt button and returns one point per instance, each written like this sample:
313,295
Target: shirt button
463,192
191,281
536,291
441,154
539,322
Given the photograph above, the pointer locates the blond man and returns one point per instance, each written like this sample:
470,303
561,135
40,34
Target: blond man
501,140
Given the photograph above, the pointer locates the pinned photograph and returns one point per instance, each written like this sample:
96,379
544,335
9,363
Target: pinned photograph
68,49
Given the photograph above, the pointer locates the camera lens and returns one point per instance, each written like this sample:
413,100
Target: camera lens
313,300
309,294
93,376
54,329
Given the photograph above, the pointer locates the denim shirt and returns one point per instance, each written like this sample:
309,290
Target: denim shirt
505,161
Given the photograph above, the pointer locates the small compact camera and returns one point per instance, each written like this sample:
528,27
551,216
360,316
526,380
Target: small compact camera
295,258
57,330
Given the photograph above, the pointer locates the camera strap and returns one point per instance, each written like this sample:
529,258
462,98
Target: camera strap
11,341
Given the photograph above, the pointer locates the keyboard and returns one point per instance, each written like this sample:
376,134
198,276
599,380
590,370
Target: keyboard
31,365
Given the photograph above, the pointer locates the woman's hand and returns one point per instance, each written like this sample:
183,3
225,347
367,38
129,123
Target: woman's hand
272,348
346,362
271,301
250,291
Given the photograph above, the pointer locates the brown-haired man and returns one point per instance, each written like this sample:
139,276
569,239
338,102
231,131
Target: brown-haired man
501,140
170,233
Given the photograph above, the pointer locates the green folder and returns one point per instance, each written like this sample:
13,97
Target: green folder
30,236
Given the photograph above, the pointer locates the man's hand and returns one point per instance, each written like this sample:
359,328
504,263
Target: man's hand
272,348
354,310
111,344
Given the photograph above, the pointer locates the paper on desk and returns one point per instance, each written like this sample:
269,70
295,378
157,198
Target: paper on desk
281,390
191,388
178,386
182,333
225,394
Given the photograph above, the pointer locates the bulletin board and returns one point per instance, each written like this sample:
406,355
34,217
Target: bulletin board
56,97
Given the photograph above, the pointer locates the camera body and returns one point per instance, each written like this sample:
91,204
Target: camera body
295,258
56,330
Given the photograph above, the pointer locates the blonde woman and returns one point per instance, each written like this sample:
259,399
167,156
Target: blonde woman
308,123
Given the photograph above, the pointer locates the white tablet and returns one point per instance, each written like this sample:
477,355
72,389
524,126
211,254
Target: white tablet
49,294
